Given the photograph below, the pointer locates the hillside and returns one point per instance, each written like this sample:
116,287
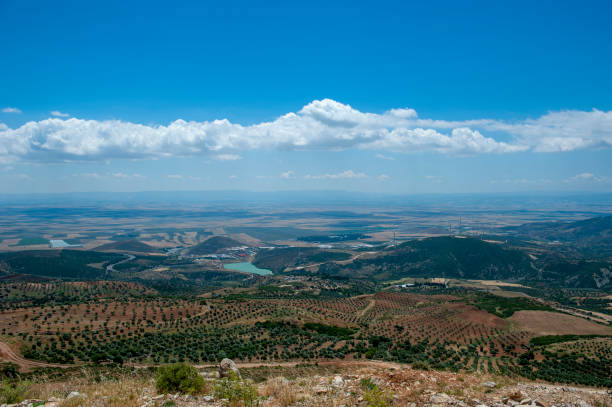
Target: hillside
131,245
356,383
278,260
213,245
592,235
450,257
73,264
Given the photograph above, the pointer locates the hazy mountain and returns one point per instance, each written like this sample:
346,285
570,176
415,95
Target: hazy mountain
593,235
128,246
213,245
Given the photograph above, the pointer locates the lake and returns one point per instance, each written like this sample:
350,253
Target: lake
247,267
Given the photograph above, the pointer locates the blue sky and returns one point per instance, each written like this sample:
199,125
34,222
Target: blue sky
367,96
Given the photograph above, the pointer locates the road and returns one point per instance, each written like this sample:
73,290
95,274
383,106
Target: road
355,257
111,267
7,353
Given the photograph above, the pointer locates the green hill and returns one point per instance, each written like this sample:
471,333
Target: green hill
279,259
72,264
449,257
213,245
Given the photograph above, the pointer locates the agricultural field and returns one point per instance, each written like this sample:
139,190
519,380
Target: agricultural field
151,286
127,323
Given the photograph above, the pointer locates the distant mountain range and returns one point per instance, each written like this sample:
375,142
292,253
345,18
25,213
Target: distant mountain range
471,258
590,235
131,245
213,245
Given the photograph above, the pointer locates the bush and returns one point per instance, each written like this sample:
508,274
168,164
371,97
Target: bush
238,392
374,396
9,370
11,393
179,377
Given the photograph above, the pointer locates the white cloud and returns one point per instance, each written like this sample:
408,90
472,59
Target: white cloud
320,125
57,113
9,109
385,157
288,175
584,177
434,178
126,176
520,181
88,175
383,177
175,176
227,157
348,174
233,177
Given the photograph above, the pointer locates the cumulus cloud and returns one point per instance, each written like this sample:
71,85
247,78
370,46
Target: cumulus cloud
9,109
434,178
348,174
126,176
288,175
57,113
320,125
227,157
584,177
88,175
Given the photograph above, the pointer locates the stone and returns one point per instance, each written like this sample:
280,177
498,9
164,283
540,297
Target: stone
517,395
74,394
320,389
489,384
226,367
337,381
440,398
208,398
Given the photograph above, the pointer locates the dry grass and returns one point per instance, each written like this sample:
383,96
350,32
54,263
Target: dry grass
100,392
284,391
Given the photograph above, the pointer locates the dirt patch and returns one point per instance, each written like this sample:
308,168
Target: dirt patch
474,315
552,323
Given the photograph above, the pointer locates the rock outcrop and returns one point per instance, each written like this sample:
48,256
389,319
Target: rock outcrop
226,367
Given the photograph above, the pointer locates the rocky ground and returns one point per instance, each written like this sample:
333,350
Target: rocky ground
364,386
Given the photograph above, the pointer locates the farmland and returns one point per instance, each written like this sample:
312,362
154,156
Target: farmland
110,322
153,286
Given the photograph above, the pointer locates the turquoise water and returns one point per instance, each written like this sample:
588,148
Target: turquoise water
247,267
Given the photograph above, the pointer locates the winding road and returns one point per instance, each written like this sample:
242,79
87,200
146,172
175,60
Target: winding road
111,267
8,354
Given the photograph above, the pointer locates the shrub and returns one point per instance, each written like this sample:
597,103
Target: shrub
374,396
9,370
238,392
421,365
179,377
15,392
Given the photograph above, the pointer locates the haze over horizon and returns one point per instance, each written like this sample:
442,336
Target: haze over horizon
388,98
